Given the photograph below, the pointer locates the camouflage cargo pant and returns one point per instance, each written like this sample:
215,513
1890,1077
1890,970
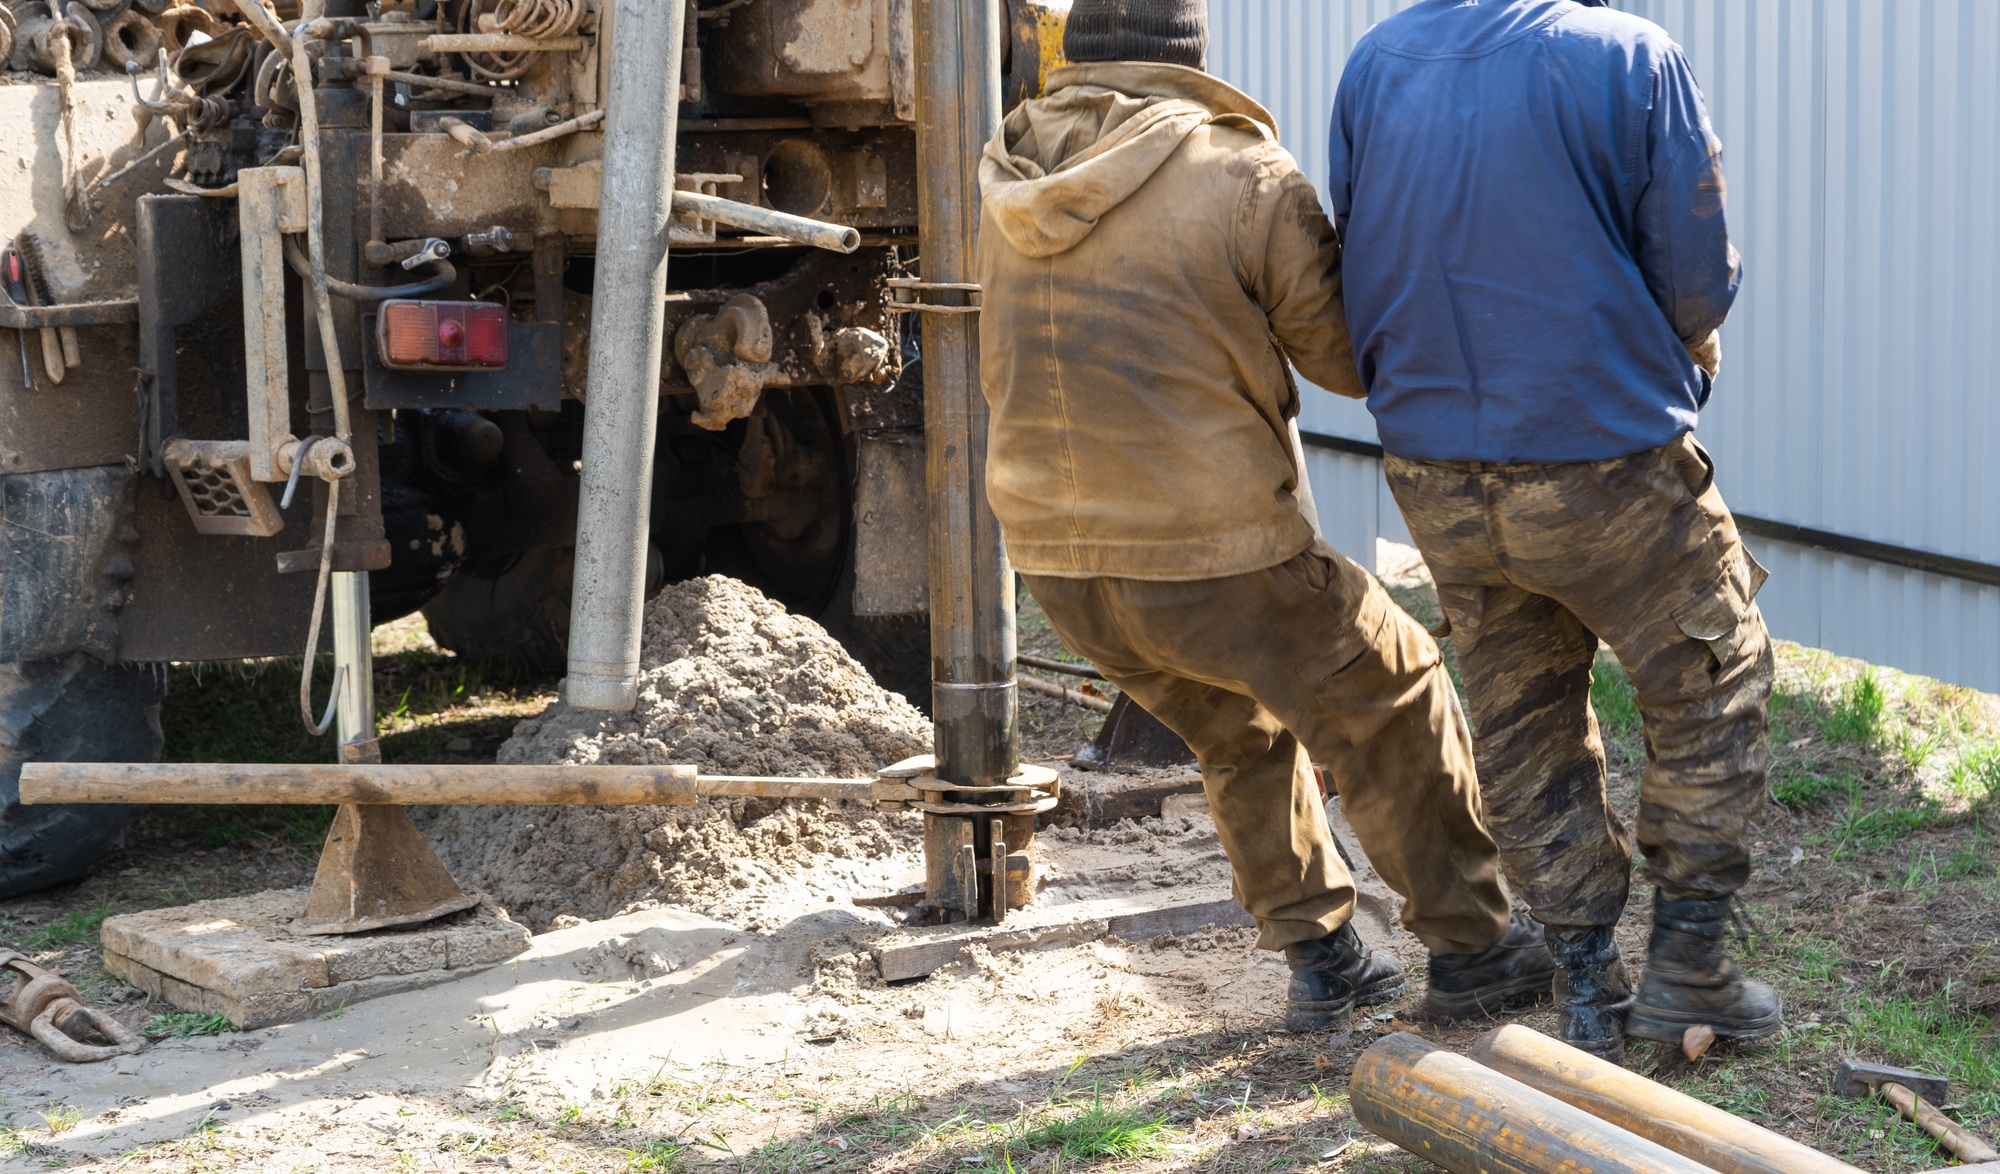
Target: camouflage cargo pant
1254,671
1533,564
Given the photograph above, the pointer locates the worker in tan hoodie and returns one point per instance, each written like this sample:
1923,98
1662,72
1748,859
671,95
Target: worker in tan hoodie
1151,260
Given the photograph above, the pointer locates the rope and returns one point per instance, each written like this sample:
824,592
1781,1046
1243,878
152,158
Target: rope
77,209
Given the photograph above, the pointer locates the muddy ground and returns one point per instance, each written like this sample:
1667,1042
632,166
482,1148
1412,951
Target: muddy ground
1875,908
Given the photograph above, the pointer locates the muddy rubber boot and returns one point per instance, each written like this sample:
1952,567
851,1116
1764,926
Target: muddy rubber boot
1690,980
1592,991
1469,986
1333,975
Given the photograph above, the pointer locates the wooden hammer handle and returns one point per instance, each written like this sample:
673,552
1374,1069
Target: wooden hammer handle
1950,1134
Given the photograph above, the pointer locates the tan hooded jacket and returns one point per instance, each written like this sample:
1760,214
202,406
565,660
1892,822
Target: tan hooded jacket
1150,257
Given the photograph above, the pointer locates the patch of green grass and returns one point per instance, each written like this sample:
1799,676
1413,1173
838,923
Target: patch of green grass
1793,784
182,1024
1614,698
1100,1131
62,1118
1856,713
1975,774
657,1157
69,929
1860,829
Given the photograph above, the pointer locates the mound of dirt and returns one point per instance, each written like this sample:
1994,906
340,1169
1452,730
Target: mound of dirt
733,683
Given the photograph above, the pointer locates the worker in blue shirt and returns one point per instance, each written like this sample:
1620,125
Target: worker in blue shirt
1531,201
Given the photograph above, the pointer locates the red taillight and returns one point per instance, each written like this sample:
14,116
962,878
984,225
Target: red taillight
442,334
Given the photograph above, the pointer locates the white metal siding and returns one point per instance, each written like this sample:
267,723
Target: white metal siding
1859,393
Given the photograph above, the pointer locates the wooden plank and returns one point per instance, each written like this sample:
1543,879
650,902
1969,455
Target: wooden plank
1144,927
1086,920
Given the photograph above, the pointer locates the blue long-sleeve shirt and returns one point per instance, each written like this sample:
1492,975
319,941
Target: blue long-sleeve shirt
1531,200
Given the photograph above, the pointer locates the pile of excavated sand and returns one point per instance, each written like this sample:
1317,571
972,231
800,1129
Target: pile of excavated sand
734,684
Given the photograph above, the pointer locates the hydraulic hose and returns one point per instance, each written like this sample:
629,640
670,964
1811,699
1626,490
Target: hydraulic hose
442,279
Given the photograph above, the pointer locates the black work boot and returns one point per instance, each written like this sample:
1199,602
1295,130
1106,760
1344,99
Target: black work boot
1592,990
1690,980
1333,975
1466,986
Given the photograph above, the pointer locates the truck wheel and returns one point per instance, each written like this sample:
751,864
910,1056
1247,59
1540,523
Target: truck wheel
512,615
69,708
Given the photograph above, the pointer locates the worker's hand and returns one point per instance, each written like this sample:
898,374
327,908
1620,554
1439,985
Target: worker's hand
1707,353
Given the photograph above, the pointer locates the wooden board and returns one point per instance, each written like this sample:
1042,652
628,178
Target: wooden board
1129,918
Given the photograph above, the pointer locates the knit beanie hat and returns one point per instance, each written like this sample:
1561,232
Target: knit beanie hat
1174,32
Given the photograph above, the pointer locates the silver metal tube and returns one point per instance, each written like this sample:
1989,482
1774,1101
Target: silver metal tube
972,587
353,659
626,332
818,233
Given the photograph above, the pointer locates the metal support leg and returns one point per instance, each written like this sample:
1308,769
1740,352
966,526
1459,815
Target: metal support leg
626,333
376,869
354,667
972,597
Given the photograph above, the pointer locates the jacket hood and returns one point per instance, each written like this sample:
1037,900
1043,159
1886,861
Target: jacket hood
1061,162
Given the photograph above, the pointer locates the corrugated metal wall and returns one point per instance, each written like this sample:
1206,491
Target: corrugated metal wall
1859,394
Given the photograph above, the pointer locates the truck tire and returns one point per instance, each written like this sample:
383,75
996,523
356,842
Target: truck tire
70,708
512,617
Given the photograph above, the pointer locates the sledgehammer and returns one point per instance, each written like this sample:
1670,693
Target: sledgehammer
1912,1092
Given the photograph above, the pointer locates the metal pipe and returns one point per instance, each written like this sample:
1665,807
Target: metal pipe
627,330
509,43
1471,1120
1682,1124
837,238
353,667
971,587
1059,666
551,133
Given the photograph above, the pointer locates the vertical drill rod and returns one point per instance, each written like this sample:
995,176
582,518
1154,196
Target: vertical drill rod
626,333
971,585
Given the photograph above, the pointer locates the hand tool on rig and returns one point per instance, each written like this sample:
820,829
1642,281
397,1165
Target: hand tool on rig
1913,1094
14,278
37,274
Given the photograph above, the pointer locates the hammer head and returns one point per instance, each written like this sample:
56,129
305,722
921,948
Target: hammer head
1859,1079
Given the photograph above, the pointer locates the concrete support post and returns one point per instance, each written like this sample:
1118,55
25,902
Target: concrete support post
626,333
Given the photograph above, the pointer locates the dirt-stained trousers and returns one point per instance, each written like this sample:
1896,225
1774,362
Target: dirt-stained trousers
1533,563
1308,661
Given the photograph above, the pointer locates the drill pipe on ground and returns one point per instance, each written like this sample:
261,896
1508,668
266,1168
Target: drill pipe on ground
1472,1120
1682,1124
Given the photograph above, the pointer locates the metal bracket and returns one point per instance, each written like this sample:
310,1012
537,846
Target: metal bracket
934,297
216,486
46,1006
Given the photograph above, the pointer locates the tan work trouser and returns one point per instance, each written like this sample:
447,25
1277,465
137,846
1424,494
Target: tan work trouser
1313,647
1533,564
